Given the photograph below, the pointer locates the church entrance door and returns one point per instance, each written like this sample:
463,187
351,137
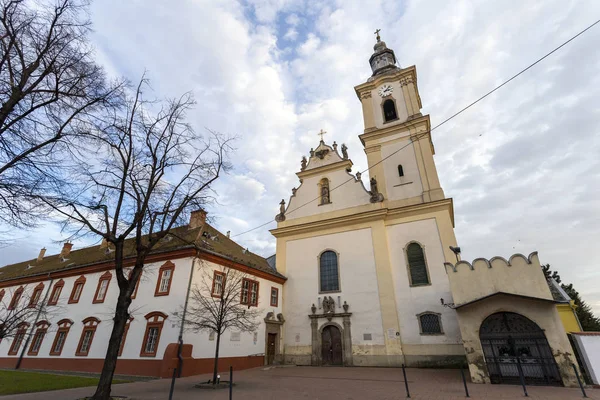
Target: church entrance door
514,345
331,346
271,347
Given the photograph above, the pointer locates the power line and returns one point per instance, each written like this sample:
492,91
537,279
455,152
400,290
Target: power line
421,135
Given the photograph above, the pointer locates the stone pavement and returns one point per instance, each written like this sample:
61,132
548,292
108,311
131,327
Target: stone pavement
328,383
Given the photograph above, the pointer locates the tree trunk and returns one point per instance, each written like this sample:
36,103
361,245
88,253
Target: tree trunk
216,367
110,361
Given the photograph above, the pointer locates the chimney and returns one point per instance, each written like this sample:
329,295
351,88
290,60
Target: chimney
197,219
41,255
66,250
228,233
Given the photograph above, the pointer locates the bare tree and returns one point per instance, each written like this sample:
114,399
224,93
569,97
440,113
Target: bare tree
50,88
18,307
222,300
143,172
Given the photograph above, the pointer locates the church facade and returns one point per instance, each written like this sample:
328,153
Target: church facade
374,277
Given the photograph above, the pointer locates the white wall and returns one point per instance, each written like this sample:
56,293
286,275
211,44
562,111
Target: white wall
411,301
358,283
410,184
144,303
589,344
349,195
205,348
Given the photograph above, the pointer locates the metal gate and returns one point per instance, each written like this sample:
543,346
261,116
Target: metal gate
513,344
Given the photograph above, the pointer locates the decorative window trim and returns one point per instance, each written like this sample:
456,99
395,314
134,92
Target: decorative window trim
137,284
274,304
16,344
155,319
89,324
64,326
107,276
36,295
14,301
124,336
42,329
408,265
81,280
212,290
383,100
439,316
166,266
319,273
249,302
58,287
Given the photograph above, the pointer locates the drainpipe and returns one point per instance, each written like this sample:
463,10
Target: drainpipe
180,339
37,317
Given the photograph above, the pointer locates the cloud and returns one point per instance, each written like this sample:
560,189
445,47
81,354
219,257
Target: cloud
521,165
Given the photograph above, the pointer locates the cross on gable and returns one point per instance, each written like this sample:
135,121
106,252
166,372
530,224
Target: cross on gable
321,134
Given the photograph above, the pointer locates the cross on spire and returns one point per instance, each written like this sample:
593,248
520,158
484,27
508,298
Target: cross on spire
377,33
322,133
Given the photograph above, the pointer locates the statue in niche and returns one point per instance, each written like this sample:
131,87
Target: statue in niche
303,163
328,305
325,191
376,197
281,216
344,151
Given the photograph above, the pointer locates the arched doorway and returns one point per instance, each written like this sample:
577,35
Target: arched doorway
331,346
512,342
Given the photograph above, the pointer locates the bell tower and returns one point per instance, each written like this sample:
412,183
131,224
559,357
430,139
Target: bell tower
396,135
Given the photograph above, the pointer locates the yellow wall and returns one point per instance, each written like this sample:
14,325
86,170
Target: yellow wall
568,317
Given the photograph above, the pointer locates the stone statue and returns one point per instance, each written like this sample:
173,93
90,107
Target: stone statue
328,305
376,197
345,305
313,308
281,216
303,163
344,151
334,146
325,194
280,317
294,191
358,174
270,315
312,152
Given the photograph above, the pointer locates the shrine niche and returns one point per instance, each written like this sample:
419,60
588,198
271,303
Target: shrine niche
331,343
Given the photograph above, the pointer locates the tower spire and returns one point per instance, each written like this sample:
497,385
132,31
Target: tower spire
383,59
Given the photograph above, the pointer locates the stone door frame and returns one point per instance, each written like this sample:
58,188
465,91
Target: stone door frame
273,326
317,339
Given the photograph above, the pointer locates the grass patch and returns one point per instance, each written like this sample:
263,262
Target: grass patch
13,382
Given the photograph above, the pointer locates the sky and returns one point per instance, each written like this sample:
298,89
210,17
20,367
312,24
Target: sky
522,166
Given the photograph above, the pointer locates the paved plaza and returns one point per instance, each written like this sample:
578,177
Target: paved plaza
291,383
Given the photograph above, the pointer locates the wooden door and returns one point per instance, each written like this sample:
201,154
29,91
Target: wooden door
271,339
331,346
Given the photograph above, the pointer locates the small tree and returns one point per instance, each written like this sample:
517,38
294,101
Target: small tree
50,89
142,172
216,305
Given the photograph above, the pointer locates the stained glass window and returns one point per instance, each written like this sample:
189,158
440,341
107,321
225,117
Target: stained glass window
416,265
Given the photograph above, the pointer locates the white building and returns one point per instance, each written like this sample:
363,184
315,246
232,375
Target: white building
81,290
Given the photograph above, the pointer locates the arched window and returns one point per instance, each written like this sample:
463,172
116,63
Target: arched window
324,191
329,277
417,268
389,110
400,170
430,323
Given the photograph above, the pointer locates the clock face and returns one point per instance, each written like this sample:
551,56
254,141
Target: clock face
385,90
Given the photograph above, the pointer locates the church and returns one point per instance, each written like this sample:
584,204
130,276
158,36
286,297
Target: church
367,272
373,268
